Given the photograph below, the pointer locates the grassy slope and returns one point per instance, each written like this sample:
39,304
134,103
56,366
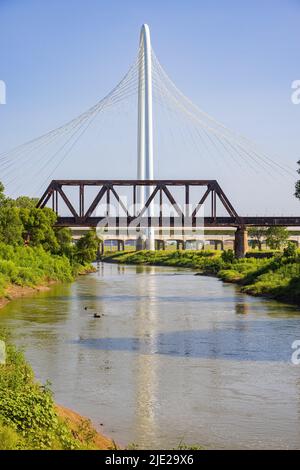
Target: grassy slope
29,419
276,277
32,266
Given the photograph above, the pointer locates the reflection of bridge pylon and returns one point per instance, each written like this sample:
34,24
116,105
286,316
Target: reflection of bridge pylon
147,363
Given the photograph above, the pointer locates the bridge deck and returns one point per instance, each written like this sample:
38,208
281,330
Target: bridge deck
176,222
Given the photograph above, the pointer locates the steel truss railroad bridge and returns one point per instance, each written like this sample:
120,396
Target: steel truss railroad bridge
206,192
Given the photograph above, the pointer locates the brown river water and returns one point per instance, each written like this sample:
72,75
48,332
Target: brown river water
173,358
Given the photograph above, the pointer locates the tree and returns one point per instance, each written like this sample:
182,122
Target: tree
276,237
2,195
38,228
297,185
25,202
4,200
64,239
228,256
11,227
290,251
21,220
258,234
86,248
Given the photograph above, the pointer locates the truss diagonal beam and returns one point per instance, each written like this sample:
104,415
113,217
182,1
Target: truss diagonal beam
172,200
201,202
120,202
95,202
148,202
67,201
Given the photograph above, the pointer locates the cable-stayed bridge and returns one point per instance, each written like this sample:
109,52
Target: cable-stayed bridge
146,84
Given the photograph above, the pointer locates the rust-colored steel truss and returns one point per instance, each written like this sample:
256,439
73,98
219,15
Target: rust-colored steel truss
82,216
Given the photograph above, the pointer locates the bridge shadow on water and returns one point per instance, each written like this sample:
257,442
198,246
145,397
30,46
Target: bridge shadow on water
242,341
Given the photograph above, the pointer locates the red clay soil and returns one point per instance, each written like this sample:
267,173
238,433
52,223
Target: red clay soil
76,422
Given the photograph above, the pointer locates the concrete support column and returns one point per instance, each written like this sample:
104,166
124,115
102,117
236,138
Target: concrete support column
140,244
100,250
120,245
241,242
199,245
160,244
219,243
180,245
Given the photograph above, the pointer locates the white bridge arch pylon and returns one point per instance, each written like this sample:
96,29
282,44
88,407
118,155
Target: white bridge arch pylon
145,126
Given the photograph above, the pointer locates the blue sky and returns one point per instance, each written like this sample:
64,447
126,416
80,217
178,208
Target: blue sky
236,60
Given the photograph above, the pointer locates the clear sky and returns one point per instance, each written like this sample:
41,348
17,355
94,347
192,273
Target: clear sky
235,59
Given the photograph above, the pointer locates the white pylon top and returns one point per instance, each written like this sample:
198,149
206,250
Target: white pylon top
145,113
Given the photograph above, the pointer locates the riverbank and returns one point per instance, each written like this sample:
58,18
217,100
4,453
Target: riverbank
29,417
25,271
276,277
83,429
13,291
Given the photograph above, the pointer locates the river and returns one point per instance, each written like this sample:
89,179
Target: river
174,357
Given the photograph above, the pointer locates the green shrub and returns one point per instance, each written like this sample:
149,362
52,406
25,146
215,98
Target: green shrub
228,256
230,275
290,251
10,439
28,419
30,266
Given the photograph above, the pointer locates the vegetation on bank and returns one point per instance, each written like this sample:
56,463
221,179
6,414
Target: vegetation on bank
32,251
277,276
28,414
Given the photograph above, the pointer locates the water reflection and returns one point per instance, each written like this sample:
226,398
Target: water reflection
242,308
146,366
238,341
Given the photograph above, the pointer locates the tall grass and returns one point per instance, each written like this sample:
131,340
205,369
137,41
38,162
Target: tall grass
31,266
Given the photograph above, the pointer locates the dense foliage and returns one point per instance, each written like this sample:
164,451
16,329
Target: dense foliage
297,185
32,251
274,237
32,266
277,237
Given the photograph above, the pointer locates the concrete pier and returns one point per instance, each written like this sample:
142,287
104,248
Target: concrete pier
241,242
160,244
121,245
